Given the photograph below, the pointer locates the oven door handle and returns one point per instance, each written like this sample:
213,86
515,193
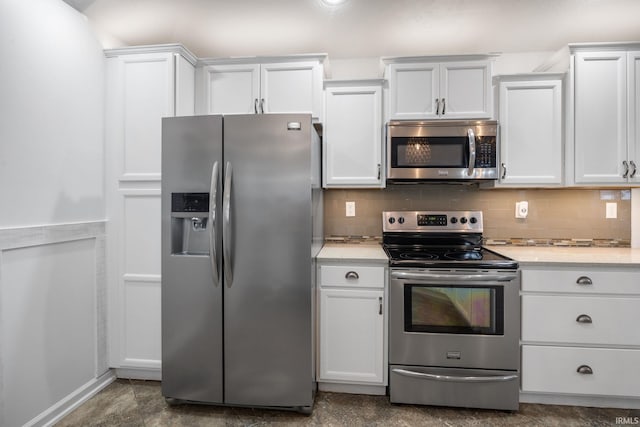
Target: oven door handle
440,278
453,378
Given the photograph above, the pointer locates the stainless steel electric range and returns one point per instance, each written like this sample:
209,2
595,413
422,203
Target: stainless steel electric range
454,313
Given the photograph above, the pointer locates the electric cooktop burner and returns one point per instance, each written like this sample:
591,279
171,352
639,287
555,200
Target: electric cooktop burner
443,239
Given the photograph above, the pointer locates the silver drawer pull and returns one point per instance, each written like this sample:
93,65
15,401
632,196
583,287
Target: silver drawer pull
351,275
584,318
584,280
585,370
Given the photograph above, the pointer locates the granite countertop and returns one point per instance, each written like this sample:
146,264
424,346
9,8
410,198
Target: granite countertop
352,251
570,255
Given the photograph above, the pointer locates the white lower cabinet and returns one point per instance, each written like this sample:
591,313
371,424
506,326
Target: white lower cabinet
579,333
351,326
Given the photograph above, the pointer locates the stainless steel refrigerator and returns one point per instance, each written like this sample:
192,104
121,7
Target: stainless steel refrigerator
241,225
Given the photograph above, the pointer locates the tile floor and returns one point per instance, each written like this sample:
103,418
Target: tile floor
140,403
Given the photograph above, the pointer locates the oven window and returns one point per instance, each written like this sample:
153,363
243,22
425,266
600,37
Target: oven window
454,309
416,152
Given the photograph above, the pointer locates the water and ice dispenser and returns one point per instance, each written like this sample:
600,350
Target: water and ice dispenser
189,223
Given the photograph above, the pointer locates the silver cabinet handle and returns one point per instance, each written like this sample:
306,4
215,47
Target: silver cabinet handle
351,275
633,172
584,318
227,249
504,171
472,151
262,106
585,370
584,280
453,378
213,206
380,305
255,105
437,106
444,106
379,171
626,169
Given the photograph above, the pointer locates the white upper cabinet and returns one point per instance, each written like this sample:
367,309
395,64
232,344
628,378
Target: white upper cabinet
530,115
352,134
261,85
421,88
605,111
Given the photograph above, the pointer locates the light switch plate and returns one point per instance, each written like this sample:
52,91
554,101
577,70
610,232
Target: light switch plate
351,208
612,211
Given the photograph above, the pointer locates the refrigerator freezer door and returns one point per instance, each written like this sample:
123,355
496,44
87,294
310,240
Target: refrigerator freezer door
191,298
268,306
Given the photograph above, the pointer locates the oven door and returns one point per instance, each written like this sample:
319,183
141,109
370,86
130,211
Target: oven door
459,319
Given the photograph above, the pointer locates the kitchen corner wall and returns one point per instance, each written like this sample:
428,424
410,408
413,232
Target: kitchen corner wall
553,213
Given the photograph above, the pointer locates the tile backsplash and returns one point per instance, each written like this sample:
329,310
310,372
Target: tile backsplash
553,213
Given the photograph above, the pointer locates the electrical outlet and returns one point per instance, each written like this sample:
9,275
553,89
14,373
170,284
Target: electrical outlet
350,208
611,211
522,209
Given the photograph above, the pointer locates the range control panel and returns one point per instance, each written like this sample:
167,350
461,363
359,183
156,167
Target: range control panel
432,221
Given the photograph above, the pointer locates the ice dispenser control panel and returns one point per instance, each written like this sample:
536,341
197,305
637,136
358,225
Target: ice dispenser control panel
189,224
189,202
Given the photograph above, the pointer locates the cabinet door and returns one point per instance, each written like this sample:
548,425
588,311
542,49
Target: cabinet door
531,132
600,127
141,89
633,76
413,89
353,137
292,87
351,336
465,90
231,89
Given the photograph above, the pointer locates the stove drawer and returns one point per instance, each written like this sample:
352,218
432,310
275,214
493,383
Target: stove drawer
580,319
579,370
470,388
358,276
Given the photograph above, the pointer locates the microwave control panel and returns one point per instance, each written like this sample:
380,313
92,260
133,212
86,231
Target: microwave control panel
486,152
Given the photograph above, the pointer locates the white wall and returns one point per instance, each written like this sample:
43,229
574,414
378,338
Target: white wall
52,211
51,115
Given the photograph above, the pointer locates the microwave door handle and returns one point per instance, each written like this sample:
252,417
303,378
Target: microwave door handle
472,151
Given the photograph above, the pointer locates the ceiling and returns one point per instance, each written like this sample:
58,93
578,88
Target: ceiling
361,28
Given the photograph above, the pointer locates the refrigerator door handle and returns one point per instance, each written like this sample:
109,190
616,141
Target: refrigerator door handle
213,206
226,226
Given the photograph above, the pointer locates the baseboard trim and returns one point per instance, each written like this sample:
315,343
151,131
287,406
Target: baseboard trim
139,374
377,390
576,400
65,406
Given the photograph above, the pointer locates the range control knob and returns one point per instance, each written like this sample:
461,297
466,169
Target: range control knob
473,220
463,220
392,220
401,220
453,220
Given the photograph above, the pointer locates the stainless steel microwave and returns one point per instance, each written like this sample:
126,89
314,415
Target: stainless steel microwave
443,150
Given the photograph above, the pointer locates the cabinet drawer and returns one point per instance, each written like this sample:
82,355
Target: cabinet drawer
554,318
555,370
352,276
605,280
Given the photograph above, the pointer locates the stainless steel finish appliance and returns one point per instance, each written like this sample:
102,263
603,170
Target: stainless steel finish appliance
454,308
443,150
241,225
